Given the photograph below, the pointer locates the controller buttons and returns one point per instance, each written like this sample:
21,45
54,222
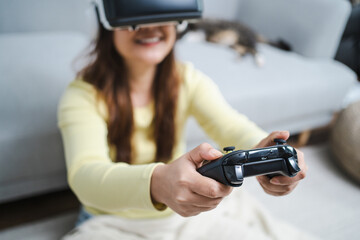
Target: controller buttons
268,154
229,149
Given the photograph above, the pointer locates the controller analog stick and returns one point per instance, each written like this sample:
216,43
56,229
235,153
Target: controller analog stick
279,141
229,149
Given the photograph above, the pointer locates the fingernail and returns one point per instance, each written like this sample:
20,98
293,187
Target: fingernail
274,181
215,153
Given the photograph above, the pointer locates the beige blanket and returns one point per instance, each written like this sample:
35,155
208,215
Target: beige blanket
239,216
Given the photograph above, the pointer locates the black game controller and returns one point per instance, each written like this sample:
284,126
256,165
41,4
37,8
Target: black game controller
233,167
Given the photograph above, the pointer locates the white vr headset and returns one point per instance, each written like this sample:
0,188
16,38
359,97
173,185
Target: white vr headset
132,14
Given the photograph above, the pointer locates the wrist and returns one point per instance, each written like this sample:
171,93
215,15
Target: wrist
156,185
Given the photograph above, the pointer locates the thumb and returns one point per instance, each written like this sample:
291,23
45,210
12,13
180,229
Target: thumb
203,152
269,140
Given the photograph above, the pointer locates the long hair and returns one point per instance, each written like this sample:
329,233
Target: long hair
108,74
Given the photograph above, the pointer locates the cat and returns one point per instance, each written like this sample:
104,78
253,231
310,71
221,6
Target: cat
234,35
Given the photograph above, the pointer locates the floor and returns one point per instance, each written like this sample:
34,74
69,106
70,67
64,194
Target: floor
325,204
37,208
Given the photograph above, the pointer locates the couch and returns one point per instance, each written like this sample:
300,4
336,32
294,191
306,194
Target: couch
39,39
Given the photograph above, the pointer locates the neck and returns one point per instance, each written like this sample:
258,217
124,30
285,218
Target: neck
141,77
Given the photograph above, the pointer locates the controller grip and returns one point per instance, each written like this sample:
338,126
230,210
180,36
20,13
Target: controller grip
214,170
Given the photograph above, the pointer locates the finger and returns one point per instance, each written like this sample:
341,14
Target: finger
203,152
193,199
208,187
301,161
284,180
205,209
266,183
276,189
189,211
276,193
269,140
204,202
277,134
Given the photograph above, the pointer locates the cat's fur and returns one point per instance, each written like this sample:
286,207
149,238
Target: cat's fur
233,34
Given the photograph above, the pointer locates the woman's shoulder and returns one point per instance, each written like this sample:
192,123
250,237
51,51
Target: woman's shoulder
80,86
186,69
80,96
190,74
79,92
191,77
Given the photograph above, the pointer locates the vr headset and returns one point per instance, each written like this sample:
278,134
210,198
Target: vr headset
132,14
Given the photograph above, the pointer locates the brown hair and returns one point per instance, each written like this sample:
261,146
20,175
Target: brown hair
108,74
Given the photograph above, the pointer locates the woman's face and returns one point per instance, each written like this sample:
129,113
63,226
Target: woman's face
149,45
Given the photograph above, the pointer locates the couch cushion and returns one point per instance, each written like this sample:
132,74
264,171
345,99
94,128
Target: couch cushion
312,27
228,9
35,69
287,89
47,15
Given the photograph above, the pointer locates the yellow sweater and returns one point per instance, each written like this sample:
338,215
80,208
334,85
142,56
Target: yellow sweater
105,187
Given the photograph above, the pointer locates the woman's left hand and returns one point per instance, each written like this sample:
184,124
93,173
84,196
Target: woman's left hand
281,185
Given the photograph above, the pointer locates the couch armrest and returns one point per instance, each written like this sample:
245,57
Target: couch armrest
312,27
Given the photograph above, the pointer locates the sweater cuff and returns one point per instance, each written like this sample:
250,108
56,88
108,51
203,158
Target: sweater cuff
150,203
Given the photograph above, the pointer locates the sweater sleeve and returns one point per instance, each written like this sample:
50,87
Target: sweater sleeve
95,179
220,121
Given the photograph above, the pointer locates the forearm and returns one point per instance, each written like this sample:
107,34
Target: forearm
112,187
93,176
220,121
235,129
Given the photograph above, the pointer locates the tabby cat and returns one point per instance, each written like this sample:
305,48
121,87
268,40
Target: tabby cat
234,35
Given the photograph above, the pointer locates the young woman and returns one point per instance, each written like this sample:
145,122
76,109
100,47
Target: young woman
122,123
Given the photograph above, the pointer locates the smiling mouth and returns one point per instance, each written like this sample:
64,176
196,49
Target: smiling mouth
149,41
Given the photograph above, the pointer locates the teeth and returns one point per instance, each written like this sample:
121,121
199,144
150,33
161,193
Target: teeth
149,40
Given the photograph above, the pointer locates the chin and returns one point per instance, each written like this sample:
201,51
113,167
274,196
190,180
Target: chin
153,59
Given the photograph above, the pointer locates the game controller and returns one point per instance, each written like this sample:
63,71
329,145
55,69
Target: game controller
234,166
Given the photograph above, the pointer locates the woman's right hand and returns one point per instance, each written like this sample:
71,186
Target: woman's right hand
179,186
